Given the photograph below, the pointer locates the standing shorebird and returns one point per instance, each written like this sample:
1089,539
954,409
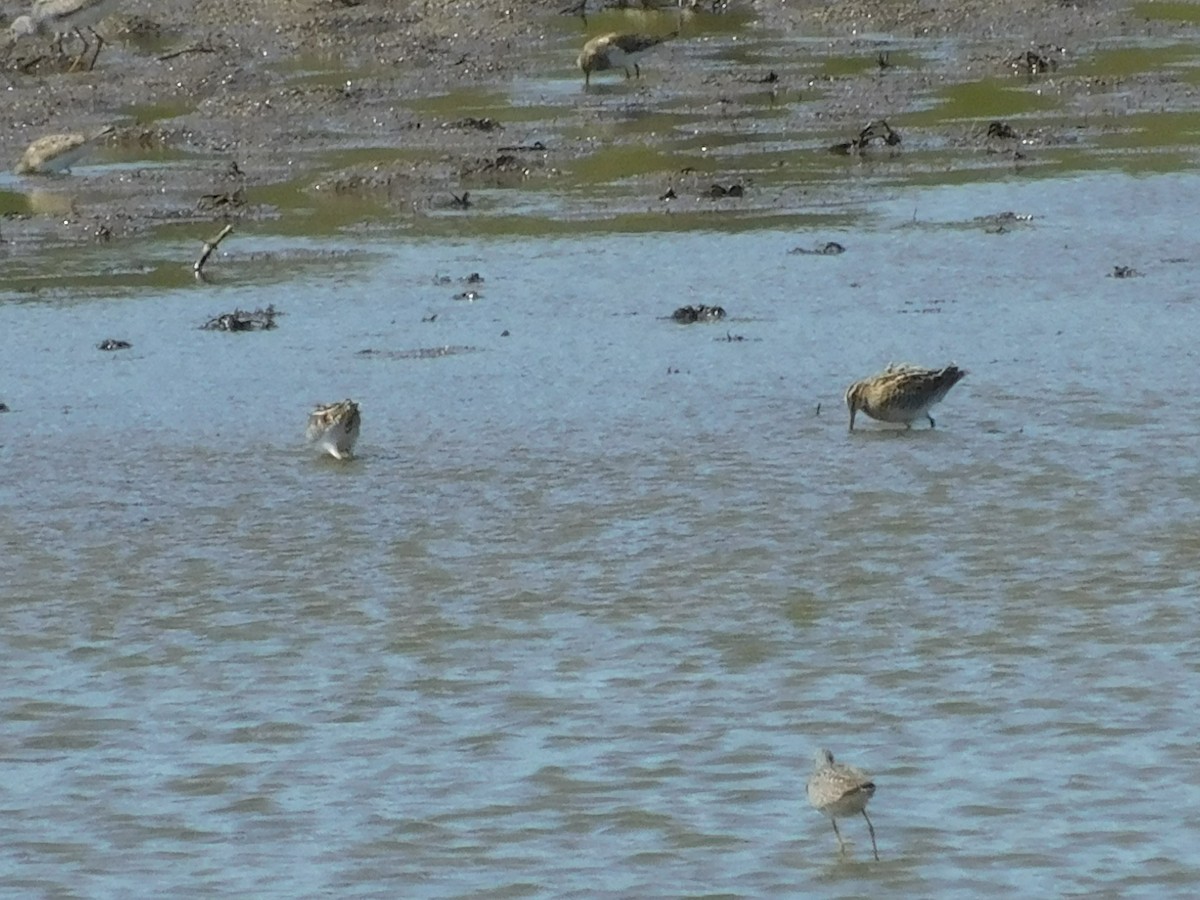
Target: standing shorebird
615,51
837,789
902,393
333,427
57,152
64,17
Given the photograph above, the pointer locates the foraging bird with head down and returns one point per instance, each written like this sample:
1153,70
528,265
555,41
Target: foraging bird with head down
334,428
902,393
56,153
615,50
837,789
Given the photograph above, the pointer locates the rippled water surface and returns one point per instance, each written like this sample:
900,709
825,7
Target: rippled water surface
598,585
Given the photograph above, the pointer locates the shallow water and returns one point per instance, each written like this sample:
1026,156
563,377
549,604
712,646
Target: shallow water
576,618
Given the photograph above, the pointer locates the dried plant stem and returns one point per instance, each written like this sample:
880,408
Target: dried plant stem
209,246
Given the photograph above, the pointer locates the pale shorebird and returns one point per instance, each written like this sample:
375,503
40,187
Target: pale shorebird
837,789
333,427
57,152
902,393
615,50
63,17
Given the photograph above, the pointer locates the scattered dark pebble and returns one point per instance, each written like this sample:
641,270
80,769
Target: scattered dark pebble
1124,272
734,190
113,344
4,408
1001,130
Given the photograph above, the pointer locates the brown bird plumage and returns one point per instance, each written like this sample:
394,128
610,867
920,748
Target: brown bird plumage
57,152
902,393
334,427
615,51
840,790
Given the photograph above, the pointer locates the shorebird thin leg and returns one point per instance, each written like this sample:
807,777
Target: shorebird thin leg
932,424
871,828
637,69
99,43
841,843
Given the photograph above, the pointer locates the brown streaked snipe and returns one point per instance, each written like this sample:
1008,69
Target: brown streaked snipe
902,393
334,427
837,789
57,152
615,50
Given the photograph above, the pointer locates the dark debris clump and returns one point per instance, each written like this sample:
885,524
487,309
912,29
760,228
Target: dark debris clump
242,320
686,315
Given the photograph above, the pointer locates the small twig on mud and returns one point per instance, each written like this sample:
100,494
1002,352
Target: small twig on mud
196,48
209,247
29,65
579,9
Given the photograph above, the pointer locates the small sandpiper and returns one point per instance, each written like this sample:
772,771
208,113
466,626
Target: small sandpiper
615,51
902,393
57,152
333,427
64,17
840,790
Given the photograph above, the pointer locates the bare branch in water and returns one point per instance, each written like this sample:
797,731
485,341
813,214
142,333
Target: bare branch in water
209,246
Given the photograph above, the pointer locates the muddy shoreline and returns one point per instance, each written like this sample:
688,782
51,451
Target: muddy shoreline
256,111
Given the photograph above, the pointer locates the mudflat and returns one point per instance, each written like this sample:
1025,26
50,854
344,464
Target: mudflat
261,109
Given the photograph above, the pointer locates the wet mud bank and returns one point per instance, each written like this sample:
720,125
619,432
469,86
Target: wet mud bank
330,115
